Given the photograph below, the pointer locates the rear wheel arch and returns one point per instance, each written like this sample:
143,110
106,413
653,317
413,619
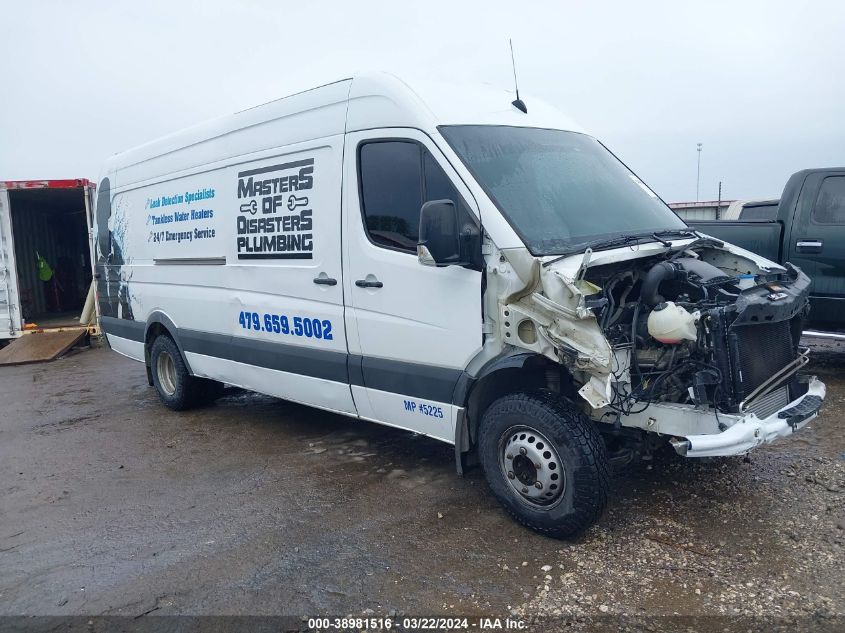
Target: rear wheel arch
177,386
159,324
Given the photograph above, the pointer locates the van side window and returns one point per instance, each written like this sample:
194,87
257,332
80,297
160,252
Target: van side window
396,178
830,205
391,192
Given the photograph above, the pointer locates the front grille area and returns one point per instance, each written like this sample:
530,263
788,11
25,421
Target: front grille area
760,350
764,406
754,338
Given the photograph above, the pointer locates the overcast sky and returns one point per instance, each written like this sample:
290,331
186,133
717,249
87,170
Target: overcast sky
758,83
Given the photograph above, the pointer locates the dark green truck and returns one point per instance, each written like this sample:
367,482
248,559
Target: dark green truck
807,229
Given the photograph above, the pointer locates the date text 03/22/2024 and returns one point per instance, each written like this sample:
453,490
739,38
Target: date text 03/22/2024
285,325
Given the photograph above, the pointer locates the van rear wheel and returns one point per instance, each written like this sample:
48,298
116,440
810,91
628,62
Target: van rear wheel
176,388
545,462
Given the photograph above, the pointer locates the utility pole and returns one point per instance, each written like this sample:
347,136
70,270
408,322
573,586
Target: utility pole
719,203
698,172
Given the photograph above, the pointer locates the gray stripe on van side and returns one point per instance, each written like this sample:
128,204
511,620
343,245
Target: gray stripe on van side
124,328
410,379
295,359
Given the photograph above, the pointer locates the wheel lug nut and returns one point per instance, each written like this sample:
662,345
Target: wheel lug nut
538,485
537,466
525,490
509,456
522,450
510,475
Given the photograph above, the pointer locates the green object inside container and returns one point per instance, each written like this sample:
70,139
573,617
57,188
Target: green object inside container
45,273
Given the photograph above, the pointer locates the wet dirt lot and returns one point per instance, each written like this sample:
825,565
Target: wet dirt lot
112,504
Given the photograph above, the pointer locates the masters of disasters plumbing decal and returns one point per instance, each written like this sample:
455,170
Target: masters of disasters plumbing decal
274,218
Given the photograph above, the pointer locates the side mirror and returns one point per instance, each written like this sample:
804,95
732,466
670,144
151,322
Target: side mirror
439,243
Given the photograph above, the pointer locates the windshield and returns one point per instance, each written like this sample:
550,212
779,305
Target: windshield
559,190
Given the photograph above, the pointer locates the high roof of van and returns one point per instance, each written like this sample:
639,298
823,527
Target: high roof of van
366,101
384,100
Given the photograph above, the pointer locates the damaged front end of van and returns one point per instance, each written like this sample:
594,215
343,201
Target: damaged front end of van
683,339
663,334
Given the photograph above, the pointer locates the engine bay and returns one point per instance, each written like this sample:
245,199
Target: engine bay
692,326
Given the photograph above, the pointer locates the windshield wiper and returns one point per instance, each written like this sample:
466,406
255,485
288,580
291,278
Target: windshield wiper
661,236
626,239
620,240
657,236
623,240
676,233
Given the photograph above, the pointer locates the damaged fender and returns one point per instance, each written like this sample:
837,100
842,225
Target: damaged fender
559,325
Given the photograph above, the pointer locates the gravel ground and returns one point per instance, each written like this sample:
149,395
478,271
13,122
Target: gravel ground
113,505
759,536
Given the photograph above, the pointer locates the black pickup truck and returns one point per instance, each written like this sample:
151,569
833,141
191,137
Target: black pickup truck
807,229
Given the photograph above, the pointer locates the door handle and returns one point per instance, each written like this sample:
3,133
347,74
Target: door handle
366,283
323,280
809,246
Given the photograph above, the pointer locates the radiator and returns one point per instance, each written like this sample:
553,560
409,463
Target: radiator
760,350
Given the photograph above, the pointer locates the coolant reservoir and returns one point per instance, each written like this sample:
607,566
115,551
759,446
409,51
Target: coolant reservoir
670,323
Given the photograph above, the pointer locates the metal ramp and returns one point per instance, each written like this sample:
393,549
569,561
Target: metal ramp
40,346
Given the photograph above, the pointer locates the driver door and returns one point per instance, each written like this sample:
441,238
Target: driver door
412,329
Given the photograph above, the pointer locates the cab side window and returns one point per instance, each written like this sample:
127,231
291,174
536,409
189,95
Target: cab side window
396,178
390,174
437,183
830,205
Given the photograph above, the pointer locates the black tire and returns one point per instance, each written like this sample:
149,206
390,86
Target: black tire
583,473
176,388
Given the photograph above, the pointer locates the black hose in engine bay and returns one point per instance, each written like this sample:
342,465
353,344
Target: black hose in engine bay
691,370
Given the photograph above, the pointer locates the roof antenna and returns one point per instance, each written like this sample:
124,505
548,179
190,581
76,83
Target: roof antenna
518,103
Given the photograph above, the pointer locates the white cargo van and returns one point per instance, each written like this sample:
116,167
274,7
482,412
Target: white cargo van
440,259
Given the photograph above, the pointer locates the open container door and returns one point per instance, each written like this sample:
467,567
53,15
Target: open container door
10,313
50,229
45,268
90,197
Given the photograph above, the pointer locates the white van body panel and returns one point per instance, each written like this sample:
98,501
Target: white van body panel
252,133
205,275
126,347
203,285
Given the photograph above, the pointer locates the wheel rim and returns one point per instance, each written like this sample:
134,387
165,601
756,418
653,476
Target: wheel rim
531,465
166,370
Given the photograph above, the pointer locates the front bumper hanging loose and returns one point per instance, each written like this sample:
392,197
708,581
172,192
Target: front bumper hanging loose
751,431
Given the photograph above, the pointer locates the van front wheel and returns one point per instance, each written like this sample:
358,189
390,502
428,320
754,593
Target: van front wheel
545,462
176,388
